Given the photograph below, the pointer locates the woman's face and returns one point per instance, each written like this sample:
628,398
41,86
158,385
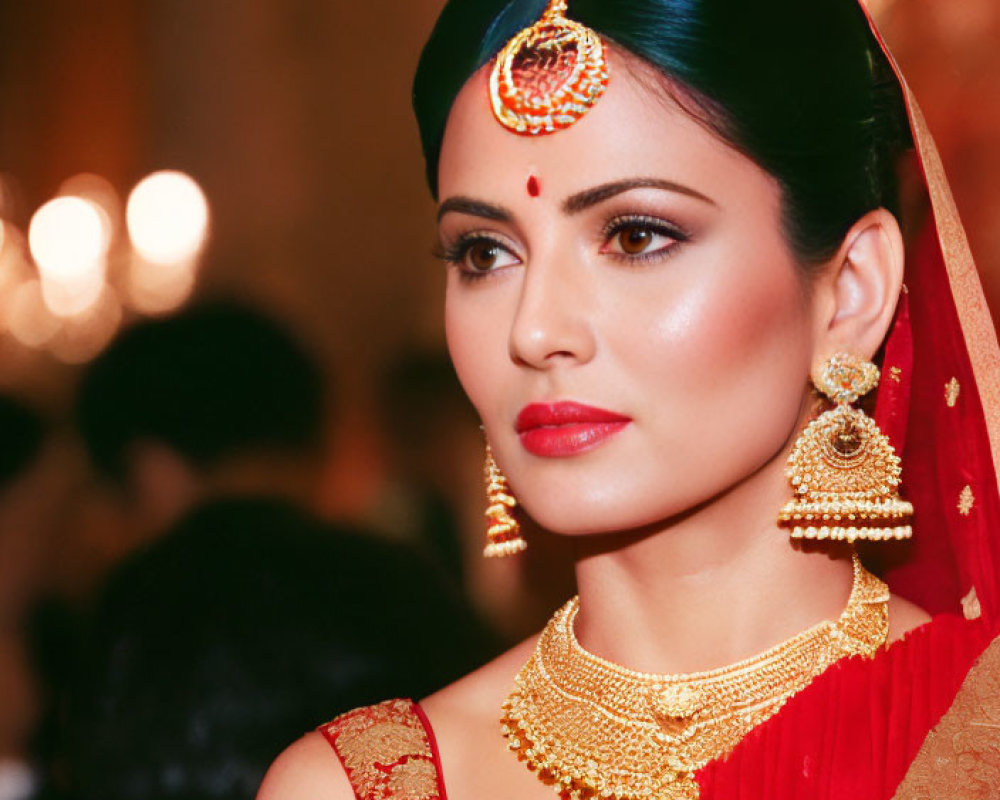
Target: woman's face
622,306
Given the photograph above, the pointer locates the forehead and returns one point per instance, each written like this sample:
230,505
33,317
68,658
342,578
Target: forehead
635,130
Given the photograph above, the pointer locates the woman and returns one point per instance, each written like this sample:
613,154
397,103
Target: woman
665,223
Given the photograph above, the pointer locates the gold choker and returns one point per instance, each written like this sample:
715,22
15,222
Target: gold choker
597,731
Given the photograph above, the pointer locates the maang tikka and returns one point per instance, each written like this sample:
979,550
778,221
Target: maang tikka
843,469
549,75
503,532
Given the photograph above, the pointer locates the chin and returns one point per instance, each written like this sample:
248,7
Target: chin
587,517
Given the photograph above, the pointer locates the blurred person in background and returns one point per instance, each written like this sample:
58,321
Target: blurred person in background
240,614
32,486
212,646
216,400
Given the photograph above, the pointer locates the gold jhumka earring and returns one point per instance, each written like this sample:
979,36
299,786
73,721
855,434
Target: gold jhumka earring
503,532
549,75
843,469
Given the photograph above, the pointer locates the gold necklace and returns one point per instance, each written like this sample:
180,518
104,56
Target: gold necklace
598,731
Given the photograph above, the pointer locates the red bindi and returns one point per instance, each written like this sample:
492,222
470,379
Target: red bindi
533,188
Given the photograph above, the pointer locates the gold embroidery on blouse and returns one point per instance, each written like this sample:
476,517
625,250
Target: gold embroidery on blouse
384,743
960,758
895,373
952,389
386,752
971,609
966,501
414,780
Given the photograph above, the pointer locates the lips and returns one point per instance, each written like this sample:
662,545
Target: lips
557,430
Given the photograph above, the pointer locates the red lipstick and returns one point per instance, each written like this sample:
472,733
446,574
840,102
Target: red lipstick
557,430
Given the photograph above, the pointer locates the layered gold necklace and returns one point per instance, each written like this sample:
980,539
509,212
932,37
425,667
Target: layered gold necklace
598,731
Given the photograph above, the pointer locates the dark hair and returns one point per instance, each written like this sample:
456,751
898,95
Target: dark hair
215,381
799,86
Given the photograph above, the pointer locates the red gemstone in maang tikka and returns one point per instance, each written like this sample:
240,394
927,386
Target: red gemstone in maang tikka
549,75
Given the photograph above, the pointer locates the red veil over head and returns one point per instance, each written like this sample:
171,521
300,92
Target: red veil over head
940,403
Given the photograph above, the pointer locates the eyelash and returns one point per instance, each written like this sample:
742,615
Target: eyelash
654,225
456,252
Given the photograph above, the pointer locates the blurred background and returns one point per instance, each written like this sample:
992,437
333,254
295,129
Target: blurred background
162,155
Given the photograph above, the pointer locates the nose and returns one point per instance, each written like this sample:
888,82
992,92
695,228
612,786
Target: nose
553,323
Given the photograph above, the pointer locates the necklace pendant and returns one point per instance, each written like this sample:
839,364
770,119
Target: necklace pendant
674,707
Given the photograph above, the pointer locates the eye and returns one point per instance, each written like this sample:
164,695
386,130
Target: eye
484,255
640,237
477,255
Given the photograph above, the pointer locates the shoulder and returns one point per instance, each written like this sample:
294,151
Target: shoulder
306,770
378,751
478,696
465,718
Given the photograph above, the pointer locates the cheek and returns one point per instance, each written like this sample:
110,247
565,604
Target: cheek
472,330
728,356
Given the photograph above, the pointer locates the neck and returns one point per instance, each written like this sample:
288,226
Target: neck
720,584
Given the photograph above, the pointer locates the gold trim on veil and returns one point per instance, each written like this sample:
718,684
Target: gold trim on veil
960,757
966,287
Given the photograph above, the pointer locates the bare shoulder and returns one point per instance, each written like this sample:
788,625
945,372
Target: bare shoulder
904,616
465,718
479,694
306,770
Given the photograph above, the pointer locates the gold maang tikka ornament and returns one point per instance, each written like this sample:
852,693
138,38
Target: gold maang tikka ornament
843,469
549,75
503,532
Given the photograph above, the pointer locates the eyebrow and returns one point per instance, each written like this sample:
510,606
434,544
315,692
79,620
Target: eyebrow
476,208
572,204
591,197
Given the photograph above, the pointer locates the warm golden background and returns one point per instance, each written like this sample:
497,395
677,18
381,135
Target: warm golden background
294,118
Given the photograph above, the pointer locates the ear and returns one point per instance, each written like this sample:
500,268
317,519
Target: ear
860,288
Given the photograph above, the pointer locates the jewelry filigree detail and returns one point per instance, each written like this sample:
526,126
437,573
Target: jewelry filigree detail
549,75
593,729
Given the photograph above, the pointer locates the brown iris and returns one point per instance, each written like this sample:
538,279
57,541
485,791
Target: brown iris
634,240
482,256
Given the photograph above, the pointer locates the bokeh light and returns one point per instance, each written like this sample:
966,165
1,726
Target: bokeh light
101,193
167,217
69,239
67,297
28,318
159,288
85,335
14,267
